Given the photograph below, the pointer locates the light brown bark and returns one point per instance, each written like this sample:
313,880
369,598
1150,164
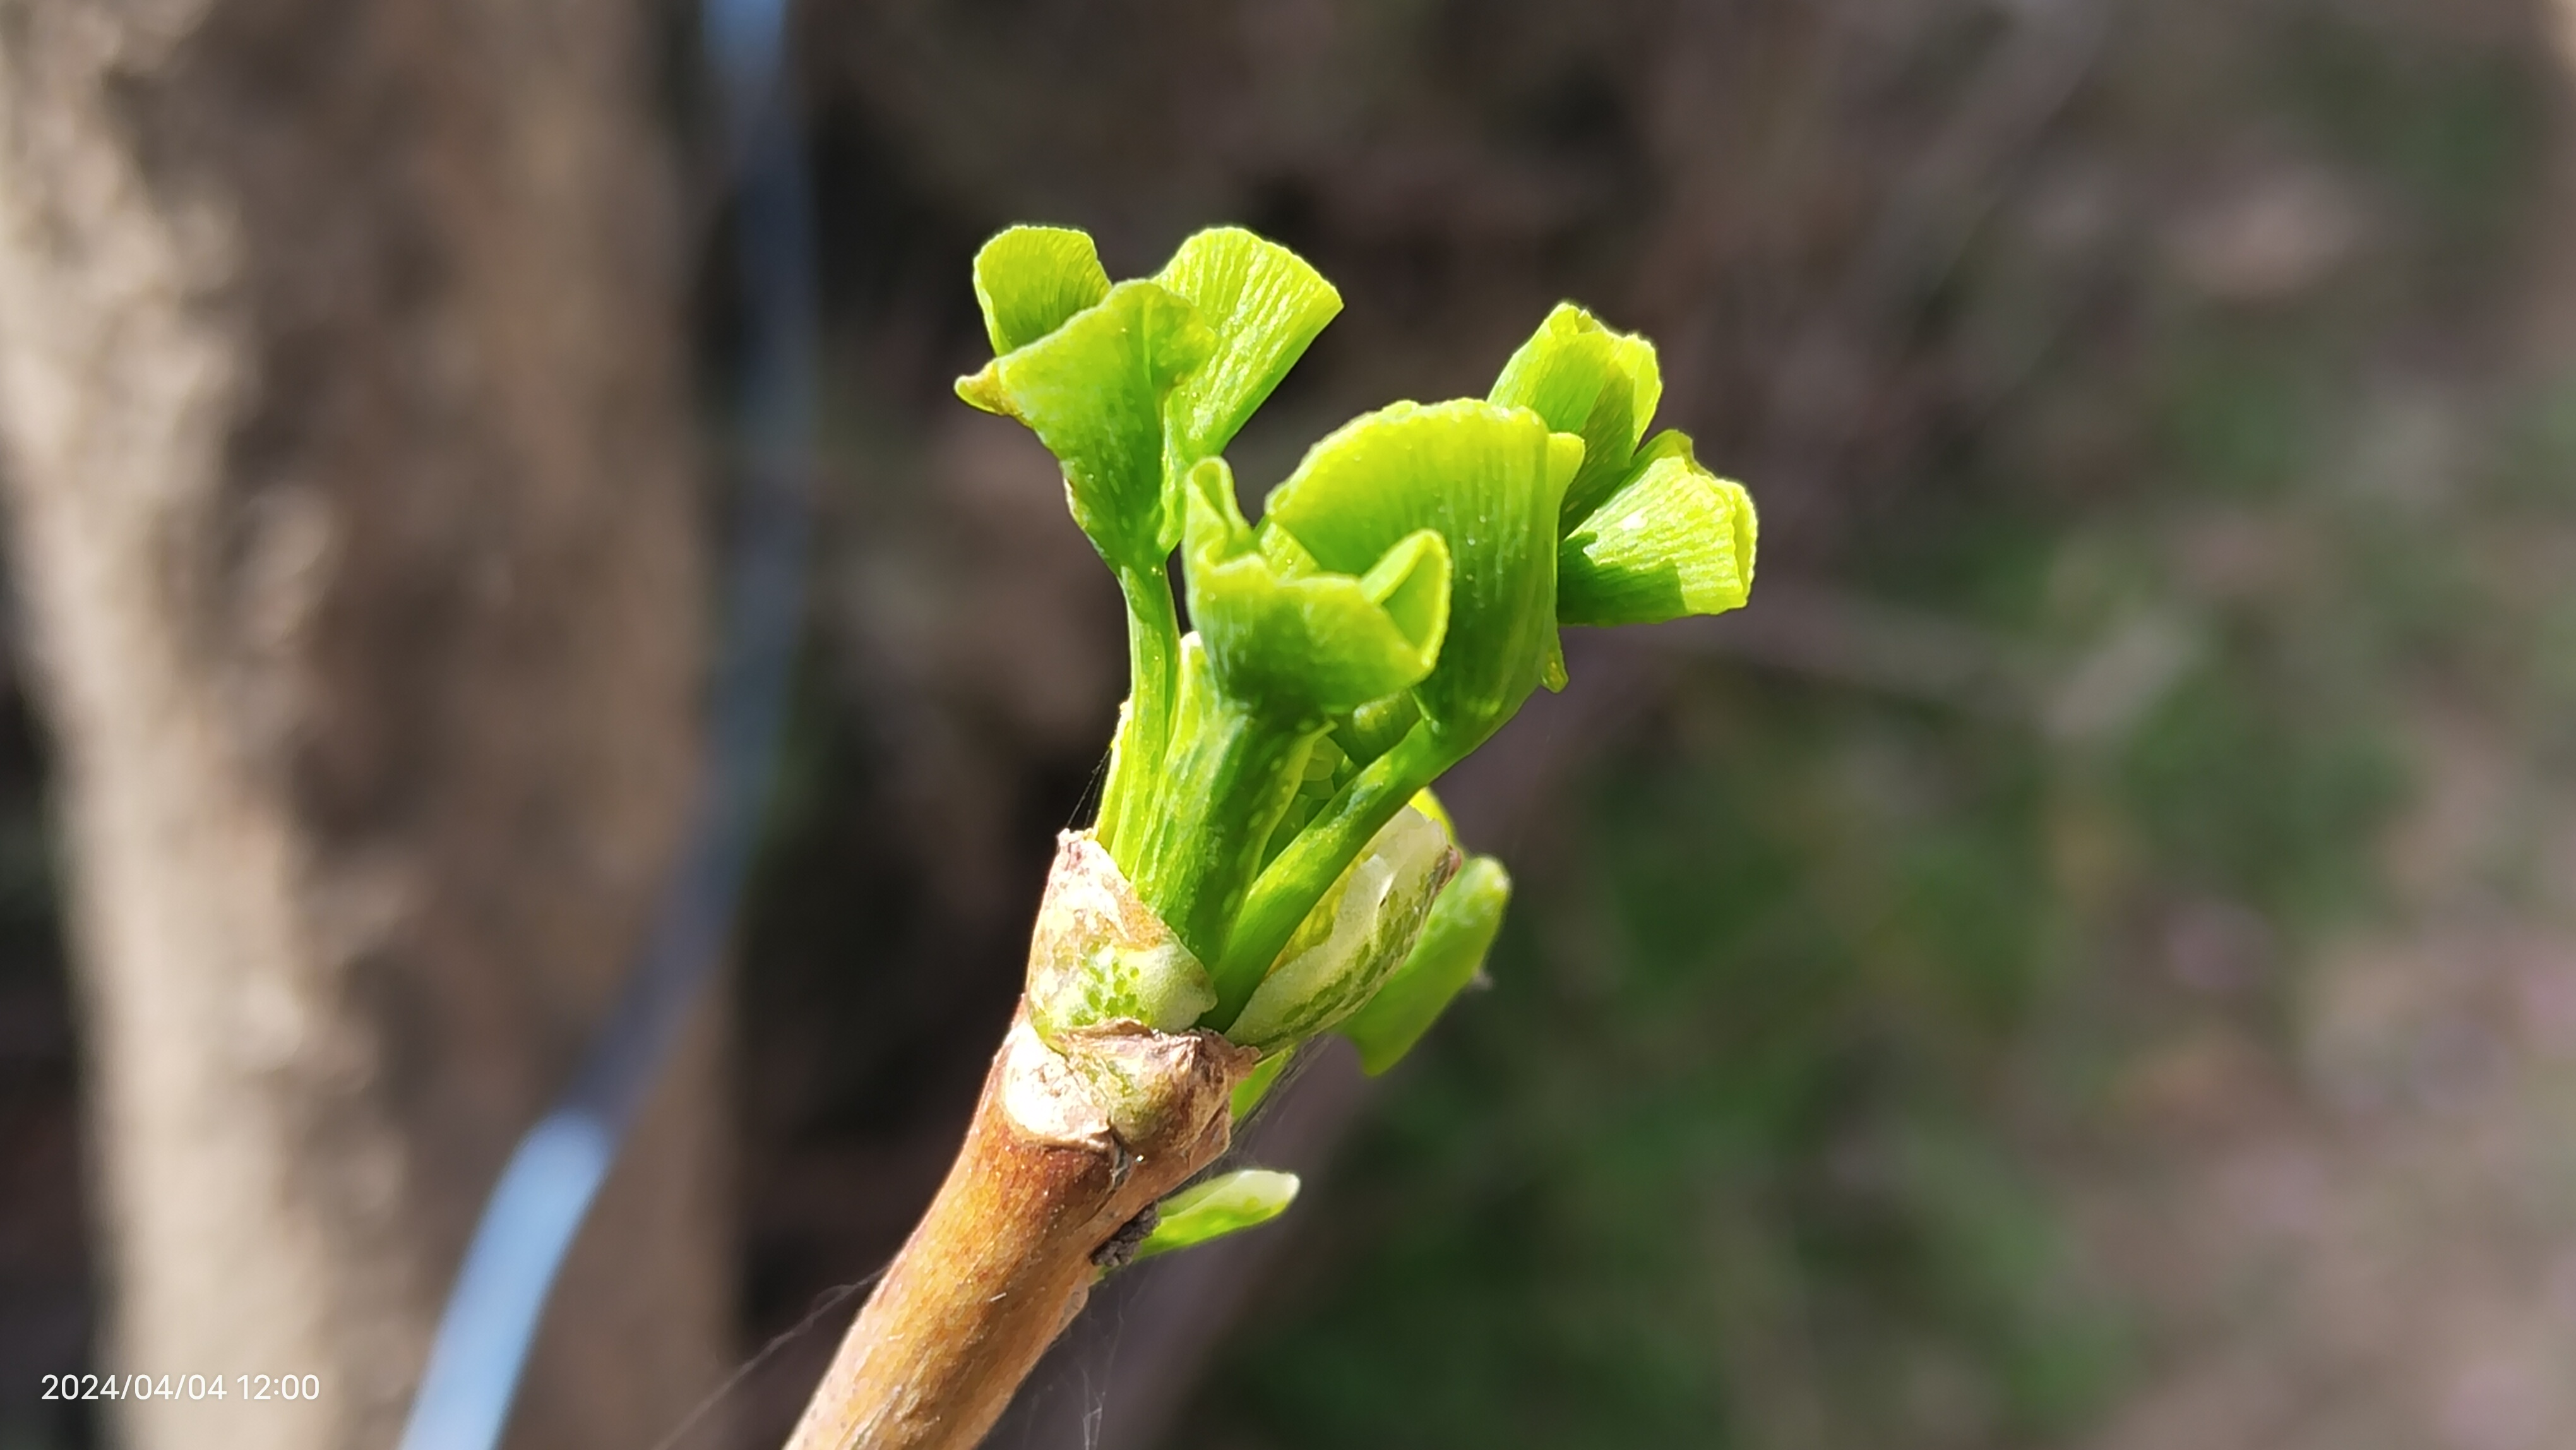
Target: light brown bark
1065,1152
343,435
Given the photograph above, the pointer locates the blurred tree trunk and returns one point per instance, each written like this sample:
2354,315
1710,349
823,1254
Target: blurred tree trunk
343,424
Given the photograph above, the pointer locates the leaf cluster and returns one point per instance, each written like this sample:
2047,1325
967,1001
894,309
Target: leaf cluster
1396,601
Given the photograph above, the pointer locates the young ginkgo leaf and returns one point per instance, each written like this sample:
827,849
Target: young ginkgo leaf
1029,280
1488,479
1357,935
1293,637
1093,391
1227,1203
1262,304
1448,955
1584,379
1674,539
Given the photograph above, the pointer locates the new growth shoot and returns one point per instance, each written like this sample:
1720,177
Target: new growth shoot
1269,863
1267,794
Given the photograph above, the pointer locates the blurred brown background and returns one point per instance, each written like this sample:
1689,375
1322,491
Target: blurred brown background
2084,960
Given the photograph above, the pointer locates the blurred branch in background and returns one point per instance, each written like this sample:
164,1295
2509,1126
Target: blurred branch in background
1842,360
543,1197
344,410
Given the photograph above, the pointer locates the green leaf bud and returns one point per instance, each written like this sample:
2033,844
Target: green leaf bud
1227,1203
1029,280
1488,479
1584,379
1296,639
1357,935
1448,955
1093,391
1674,539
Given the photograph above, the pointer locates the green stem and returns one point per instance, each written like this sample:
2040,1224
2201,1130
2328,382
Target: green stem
1300,875
1145,722
1229,776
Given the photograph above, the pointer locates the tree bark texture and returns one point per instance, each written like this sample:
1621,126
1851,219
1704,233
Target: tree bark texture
1051,1185
343,430
1073,1141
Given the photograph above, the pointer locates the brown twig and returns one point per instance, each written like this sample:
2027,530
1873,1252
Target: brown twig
1070,1144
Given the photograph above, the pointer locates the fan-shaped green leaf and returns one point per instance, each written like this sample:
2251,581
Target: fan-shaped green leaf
1092,390
1674,539
1262,304
1586,380
1488,479
1297,639
1029,280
